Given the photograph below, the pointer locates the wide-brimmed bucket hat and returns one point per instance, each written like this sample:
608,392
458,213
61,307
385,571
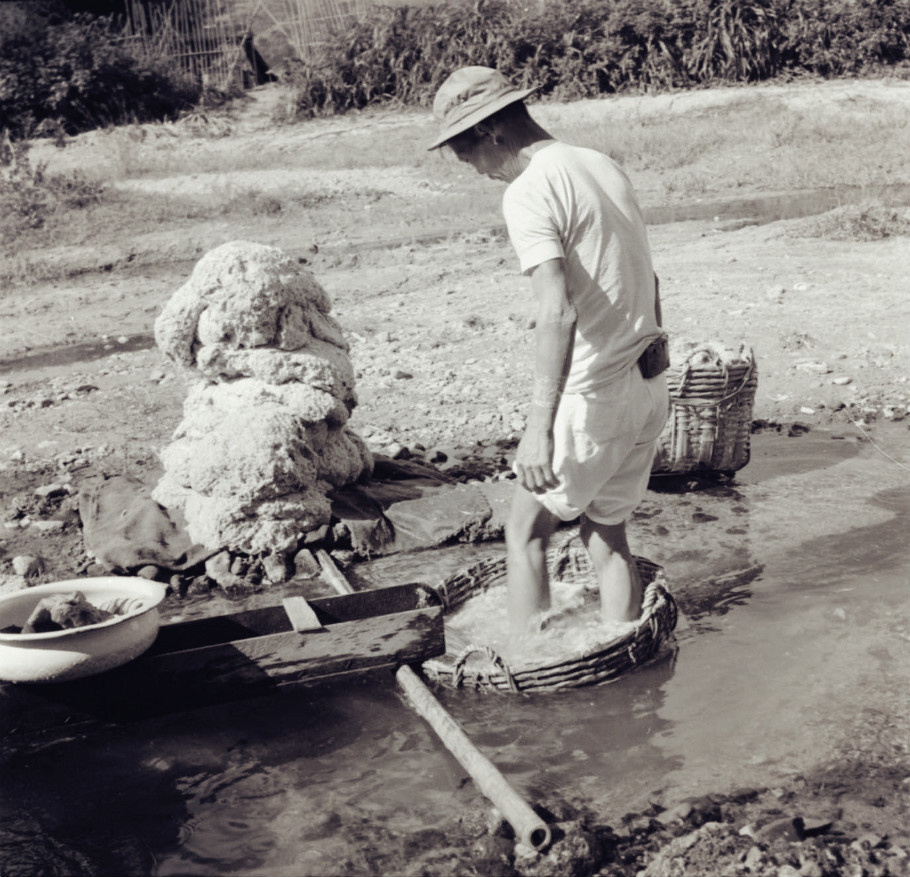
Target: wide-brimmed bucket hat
470,95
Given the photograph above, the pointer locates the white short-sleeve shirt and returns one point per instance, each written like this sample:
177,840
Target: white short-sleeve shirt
578,204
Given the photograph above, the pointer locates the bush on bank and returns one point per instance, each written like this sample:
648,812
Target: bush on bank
76,74
584,48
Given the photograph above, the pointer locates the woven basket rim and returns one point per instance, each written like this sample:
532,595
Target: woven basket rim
601,662
745,355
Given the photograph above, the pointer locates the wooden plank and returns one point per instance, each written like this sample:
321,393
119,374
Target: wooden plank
301,614
162,681
273,619
332,573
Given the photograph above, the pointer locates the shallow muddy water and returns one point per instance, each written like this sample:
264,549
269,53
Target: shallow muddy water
761,209
792,587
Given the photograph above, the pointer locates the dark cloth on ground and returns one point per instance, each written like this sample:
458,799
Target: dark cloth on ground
408,506
124,529
405,506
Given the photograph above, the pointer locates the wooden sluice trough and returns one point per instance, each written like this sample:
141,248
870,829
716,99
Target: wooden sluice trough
238,656
208,661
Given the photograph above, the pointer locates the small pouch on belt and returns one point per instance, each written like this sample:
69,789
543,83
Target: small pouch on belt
656,358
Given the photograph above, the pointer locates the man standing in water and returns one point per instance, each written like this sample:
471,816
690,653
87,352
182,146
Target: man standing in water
600,400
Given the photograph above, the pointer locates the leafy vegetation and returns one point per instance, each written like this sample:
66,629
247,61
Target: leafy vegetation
29,195
75,72
584,49
70,75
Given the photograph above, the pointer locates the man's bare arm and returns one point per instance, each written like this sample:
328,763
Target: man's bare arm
555,333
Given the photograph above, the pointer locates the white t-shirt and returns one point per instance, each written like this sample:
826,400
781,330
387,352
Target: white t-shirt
578,204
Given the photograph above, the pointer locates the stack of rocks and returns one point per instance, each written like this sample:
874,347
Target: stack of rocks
263,437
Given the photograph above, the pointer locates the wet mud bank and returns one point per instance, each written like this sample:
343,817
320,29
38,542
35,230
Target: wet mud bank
849,818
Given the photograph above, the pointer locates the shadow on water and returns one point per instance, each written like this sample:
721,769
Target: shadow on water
832,558
43,825
708,597
762,209
711,532
772,456
775,455
70,355
343,780
139,780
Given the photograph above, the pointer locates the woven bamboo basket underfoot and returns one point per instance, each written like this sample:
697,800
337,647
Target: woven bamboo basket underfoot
478,666
712,394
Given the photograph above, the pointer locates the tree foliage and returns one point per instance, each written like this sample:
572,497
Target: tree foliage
75,74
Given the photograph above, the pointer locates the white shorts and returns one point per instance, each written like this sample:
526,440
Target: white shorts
604,446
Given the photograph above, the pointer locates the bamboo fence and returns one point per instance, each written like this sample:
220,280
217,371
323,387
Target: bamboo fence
207,39
305,24
201,37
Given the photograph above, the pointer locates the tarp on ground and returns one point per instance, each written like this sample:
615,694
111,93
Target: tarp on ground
124,529
405,506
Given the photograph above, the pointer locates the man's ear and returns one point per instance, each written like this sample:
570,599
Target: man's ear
487,131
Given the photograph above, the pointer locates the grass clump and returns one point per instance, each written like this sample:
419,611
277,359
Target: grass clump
29,196
856,222
855,142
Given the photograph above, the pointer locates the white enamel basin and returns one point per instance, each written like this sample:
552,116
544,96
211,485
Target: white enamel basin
60,655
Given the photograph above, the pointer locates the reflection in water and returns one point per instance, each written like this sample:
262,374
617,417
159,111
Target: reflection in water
99,803
714,596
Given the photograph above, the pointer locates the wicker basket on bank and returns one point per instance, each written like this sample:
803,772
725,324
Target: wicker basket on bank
712,393
479,667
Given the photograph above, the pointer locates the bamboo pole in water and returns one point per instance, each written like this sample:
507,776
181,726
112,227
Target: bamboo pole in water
529,828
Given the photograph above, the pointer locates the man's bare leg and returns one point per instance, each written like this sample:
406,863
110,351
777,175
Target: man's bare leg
528,532
617,575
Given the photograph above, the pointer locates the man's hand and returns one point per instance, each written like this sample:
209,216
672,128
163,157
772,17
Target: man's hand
533,464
